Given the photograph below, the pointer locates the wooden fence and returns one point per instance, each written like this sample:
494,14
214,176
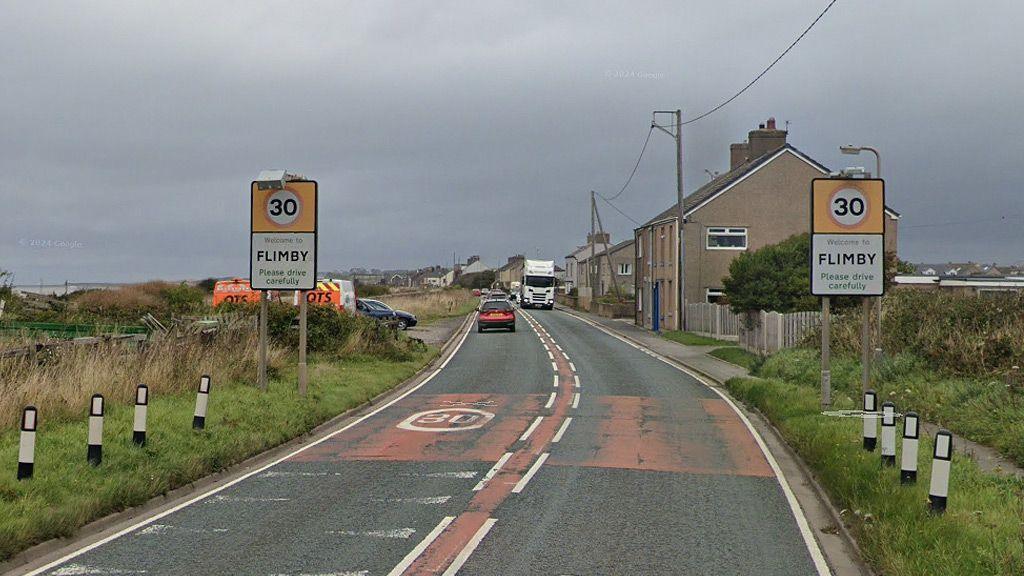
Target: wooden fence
771,331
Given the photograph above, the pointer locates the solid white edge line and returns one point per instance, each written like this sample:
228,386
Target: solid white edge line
492,472
561,431
533,426
256,471
529,474
470,547
576,400
415,552
576,379
798,514
551,400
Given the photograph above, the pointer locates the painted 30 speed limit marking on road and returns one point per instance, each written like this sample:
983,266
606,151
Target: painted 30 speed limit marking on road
847,237
447,420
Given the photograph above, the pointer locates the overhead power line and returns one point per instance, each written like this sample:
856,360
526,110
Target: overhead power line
635,166
616,208
763,72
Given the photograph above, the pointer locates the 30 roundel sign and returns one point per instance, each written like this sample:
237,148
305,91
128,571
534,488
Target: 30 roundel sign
446,420
848,207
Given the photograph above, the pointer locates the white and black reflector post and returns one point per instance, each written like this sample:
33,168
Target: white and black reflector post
141,407
942,457
888,433
27,447
870,424
202,399
908,458
95,455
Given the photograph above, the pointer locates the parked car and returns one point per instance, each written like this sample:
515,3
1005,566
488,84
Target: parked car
367,309
496,314
476,291
405,319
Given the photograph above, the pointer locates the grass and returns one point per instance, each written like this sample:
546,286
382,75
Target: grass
67,493
984,410
980,533
60,387
434,305
691,339
738,356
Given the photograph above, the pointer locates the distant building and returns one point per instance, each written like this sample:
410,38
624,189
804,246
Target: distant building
763,199
613,267
512,271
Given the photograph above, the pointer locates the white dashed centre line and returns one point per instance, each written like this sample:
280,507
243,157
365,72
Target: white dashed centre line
556,380
551,401
572,366
494,470
554,367
470,547
530,473
550,355
533,426
415,552
561,430
576,400
576,379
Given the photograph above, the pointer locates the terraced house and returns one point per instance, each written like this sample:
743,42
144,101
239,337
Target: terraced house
763,199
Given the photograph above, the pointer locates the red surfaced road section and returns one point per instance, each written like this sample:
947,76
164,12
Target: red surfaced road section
440,554
637,433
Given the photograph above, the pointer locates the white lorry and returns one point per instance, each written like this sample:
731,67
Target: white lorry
538,289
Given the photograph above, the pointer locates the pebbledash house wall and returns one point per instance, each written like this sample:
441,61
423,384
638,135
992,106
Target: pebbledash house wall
772,203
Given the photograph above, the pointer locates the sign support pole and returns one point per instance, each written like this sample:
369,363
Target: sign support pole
303,376
826,342
865,344
262,377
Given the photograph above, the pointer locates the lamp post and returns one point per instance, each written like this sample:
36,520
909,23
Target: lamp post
865,355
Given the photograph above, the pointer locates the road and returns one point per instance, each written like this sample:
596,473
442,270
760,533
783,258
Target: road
557,450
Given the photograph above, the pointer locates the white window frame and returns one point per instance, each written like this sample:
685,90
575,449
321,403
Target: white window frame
733,231
709,292
627,267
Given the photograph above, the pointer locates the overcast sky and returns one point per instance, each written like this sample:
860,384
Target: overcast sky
131,131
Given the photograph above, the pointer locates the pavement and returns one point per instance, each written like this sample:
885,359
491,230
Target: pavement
555,449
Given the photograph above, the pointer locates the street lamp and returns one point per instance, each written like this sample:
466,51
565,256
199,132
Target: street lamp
854,150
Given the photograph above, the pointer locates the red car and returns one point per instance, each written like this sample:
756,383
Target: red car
496,314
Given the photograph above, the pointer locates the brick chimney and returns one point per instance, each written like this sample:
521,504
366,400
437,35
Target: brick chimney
759,142
765,139
516,258
738,154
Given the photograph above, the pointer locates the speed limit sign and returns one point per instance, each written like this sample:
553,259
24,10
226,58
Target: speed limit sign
284,237
847,237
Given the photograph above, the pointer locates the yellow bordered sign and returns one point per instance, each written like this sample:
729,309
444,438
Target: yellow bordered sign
289,209
283,236
847,206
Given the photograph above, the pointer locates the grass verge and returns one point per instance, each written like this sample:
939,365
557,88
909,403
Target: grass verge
691,339
66,493
432,306
738,356
984,410
980,533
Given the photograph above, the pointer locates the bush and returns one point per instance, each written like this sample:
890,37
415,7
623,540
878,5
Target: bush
332,331
371,290
954,333
477,280
775,277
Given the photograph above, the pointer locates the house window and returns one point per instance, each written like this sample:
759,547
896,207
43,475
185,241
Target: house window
727,239
625,269
714,295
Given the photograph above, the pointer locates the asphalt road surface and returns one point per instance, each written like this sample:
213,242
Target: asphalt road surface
556,450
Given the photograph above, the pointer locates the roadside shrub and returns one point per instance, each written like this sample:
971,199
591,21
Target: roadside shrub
332,331
371,290
954,333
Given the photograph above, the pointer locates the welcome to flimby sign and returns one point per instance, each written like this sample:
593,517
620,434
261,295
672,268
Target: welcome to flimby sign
847,237
284,237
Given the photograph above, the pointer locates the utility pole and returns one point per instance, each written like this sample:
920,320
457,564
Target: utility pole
677,133
593,241
607,256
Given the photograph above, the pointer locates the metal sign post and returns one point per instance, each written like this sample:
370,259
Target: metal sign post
282,249
847,253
